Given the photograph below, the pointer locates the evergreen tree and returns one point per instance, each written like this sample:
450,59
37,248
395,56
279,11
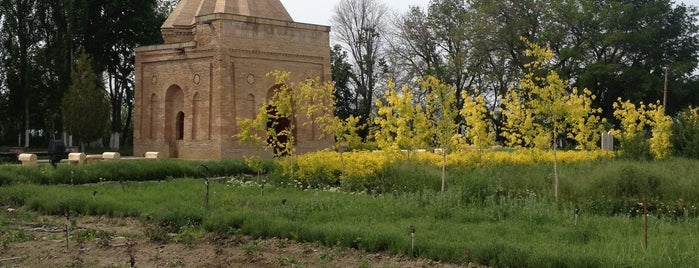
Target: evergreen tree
85,106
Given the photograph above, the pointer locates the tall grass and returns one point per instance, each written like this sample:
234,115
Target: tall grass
501,232
498,215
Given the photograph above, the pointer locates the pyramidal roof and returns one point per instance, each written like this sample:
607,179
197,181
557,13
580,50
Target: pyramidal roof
187,10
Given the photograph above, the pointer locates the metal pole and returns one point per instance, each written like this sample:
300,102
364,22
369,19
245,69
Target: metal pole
204,171
412,240
206,181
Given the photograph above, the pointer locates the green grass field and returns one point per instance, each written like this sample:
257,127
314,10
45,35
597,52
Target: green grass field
501,216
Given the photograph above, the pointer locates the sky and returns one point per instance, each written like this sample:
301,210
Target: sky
319,12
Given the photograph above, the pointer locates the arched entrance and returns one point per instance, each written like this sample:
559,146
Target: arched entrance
282,125
174,119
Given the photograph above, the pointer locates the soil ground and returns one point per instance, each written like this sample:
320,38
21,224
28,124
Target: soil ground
116,242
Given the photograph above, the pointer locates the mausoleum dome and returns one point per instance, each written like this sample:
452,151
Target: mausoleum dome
187,10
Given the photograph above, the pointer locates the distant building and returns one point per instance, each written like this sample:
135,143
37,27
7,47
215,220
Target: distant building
212,70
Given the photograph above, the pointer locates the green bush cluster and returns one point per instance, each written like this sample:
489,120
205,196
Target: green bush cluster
636,147
134,170
685,134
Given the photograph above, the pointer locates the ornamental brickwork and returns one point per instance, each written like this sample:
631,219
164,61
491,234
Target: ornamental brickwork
212,70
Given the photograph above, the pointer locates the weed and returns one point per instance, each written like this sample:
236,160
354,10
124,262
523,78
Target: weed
104,238
290,261
13,235
281,243
364,262
326,258
252,251
157,232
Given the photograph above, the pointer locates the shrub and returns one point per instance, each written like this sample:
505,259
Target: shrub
685,133
636,147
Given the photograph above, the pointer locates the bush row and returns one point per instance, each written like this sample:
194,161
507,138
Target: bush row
135,170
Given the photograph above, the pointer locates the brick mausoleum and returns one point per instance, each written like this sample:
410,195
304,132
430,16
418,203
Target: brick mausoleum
212,70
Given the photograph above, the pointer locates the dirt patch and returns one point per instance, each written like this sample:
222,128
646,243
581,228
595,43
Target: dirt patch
117,242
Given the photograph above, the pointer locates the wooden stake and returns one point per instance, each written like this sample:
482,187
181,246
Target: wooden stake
67,230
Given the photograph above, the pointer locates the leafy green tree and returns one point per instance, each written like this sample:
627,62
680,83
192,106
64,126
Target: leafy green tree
110,30
316,100
415,48
85,106
685,133
584,120
615,49
450,22
50,32
346,100
626,46
20,41
548,100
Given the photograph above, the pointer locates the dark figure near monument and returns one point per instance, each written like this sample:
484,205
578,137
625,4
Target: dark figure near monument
56,152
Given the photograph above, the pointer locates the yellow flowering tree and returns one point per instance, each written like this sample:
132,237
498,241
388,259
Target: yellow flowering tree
479,132
273,126
660,145
266,129
401,123
585,122
635,119
519,128
442,114
317,101
546,110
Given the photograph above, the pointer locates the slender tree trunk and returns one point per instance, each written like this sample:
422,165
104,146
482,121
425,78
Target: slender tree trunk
26,121
127,125
114,141
116,100
555,165
444,167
